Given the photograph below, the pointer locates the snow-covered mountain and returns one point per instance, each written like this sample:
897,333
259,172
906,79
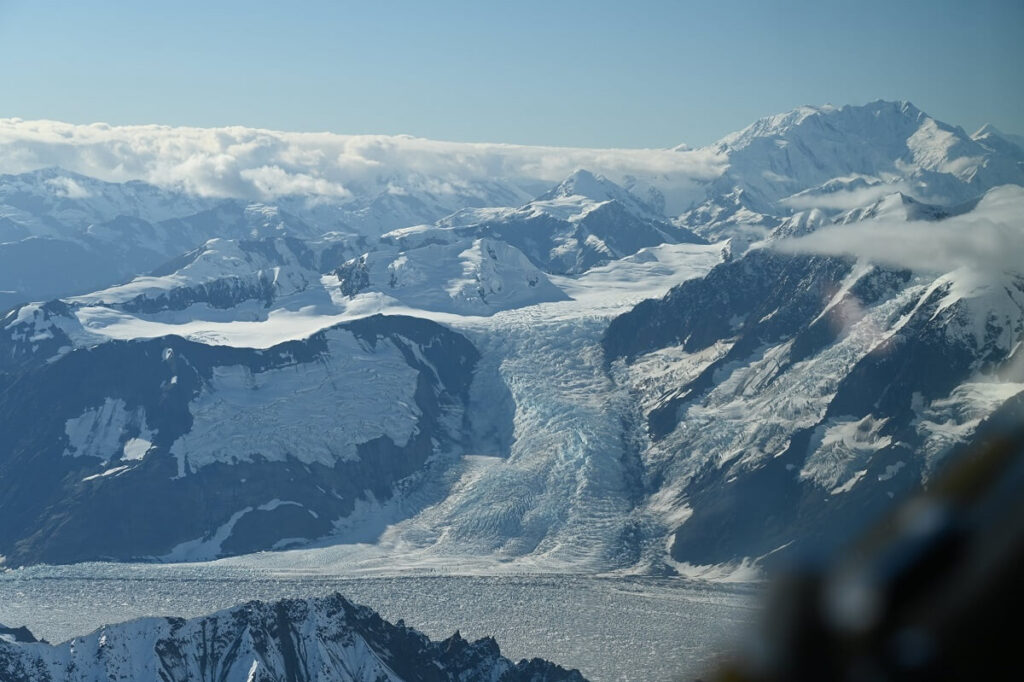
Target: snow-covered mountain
224,273
62,233
839,158
467,276
570,382
784,400
479,261
312,640
999,142
55,199
585,221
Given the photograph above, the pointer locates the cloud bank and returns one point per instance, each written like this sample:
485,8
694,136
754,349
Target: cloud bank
254,163
989,238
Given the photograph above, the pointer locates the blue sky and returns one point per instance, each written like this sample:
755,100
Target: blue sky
637,74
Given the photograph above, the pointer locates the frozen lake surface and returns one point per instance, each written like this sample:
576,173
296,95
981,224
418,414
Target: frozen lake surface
620,628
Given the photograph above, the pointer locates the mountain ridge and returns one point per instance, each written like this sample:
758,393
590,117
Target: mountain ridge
293,639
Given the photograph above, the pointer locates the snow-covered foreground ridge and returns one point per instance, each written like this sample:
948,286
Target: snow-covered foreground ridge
465,358
314,640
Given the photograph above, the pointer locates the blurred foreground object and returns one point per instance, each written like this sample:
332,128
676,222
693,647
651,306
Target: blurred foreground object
933,592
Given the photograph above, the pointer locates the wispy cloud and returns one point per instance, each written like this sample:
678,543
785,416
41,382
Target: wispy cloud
246,162
991,237
844,200
67,187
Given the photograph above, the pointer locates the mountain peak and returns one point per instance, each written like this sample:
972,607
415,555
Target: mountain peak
847,117
768,126
596,188
994,138
586,184
987,129
903,106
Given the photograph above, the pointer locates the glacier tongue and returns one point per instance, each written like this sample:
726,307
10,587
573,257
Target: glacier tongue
554,488
563,493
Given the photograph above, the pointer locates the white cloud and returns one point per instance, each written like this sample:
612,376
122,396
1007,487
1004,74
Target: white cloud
989,238
276,181
253,163
844,200
67,187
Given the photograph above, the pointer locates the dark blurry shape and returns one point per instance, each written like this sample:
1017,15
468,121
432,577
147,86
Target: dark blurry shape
933,592
20,635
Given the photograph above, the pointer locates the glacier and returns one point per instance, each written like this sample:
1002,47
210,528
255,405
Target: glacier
636,335
408,360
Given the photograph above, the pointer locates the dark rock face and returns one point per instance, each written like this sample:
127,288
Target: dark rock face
22,634
730,301
353,276
30,333
53,503
296,640
222,293
778,318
